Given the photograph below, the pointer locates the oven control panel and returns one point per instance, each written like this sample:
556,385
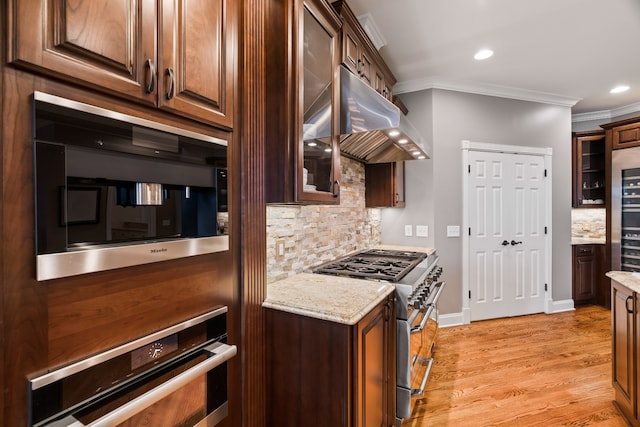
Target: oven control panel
153,351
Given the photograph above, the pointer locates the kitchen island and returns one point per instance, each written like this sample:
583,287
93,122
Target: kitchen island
625,316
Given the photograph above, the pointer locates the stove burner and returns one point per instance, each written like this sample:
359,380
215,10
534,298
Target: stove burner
374,264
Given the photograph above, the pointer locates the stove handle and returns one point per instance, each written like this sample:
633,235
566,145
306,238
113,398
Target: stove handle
424,321
423,382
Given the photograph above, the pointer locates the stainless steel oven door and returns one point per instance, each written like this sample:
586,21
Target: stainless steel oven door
174,378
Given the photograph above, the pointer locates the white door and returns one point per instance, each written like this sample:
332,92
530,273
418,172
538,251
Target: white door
506,202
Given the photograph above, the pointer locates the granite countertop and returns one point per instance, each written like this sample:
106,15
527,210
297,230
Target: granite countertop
626,278
334,298
588,240
338,299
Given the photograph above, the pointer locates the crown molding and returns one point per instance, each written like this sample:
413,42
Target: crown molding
606,114
371,28
486,89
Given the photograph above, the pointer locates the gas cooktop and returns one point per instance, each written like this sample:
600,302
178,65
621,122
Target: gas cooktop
375,264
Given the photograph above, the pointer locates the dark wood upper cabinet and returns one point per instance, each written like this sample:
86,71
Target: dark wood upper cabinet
360,55
141,50
302,152
589,170
623,133
384,185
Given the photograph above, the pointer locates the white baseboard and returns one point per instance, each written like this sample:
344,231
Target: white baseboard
463,318
563,305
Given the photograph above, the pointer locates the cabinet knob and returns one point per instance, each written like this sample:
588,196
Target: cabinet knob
336,188
626,304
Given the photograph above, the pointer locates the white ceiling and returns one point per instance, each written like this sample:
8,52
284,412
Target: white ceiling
559,51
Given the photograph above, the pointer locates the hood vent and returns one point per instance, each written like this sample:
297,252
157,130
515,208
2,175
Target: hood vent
372,129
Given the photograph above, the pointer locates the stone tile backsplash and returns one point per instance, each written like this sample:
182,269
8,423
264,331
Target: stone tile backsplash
588,223
316,234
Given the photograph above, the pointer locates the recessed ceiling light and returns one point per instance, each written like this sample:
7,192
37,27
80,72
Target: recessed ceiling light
619,89
416,153
312,144
394,133
403,141
483,54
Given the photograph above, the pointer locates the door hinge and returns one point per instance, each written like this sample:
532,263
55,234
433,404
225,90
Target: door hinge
545,287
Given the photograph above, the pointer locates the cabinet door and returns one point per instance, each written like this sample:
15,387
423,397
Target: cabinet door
589,169
585,273
625,136
196,59
623,307
384,185
108,45
372,368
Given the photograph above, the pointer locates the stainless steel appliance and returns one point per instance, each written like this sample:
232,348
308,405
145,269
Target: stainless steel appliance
417,293
625,209
114,190
176,377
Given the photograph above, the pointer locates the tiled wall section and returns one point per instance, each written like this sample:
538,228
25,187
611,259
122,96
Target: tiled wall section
316,234
588,223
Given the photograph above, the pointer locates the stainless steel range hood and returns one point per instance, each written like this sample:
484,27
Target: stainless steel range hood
372,129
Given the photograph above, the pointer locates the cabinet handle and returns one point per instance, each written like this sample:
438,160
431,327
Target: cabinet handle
172,81
151,72
359,67
513,243
336,188
626,304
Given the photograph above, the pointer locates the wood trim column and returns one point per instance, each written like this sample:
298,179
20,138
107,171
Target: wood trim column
251,131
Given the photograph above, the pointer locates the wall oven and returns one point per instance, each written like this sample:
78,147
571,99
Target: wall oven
114,190
176,377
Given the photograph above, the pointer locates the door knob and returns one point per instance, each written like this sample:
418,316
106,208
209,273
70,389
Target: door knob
513,243
505,243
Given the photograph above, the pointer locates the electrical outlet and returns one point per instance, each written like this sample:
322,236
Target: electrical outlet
280,249
422,230
453,231
408,230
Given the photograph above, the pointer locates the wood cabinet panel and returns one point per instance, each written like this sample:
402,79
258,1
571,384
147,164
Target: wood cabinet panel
182,59
623,133
107,45
625,323
196,60
330,374
589,169
588,266
384,185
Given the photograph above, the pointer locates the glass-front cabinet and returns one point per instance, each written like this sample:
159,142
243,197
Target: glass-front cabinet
303,156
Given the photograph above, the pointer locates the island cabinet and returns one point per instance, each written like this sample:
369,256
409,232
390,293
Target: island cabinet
626,326
359,54
303,108
384,185
589,169
326,373
176,55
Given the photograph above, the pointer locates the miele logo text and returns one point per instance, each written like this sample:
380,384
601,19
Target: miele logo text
157,251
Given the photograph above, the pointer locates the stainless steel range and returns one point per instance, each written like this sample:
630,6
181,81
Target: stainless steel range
418,290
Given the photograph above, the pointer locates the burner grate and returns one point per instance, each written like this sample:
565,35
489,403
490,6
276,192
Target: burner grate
373,264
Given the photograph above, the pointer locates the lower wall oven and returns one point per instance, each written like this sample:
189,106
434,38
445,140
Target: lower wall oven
176,377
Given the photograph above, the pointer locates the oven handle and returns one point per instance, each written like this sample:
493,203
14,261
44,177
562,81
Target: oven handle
219,353
423,323
423,383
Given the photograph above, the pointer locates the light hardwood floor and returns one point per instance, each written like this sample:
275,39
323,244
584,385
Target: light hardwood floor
537,370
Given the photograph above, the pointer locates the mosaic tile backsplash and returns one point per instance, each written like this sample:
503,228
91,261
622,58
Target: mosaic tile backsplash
316,234
588,223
